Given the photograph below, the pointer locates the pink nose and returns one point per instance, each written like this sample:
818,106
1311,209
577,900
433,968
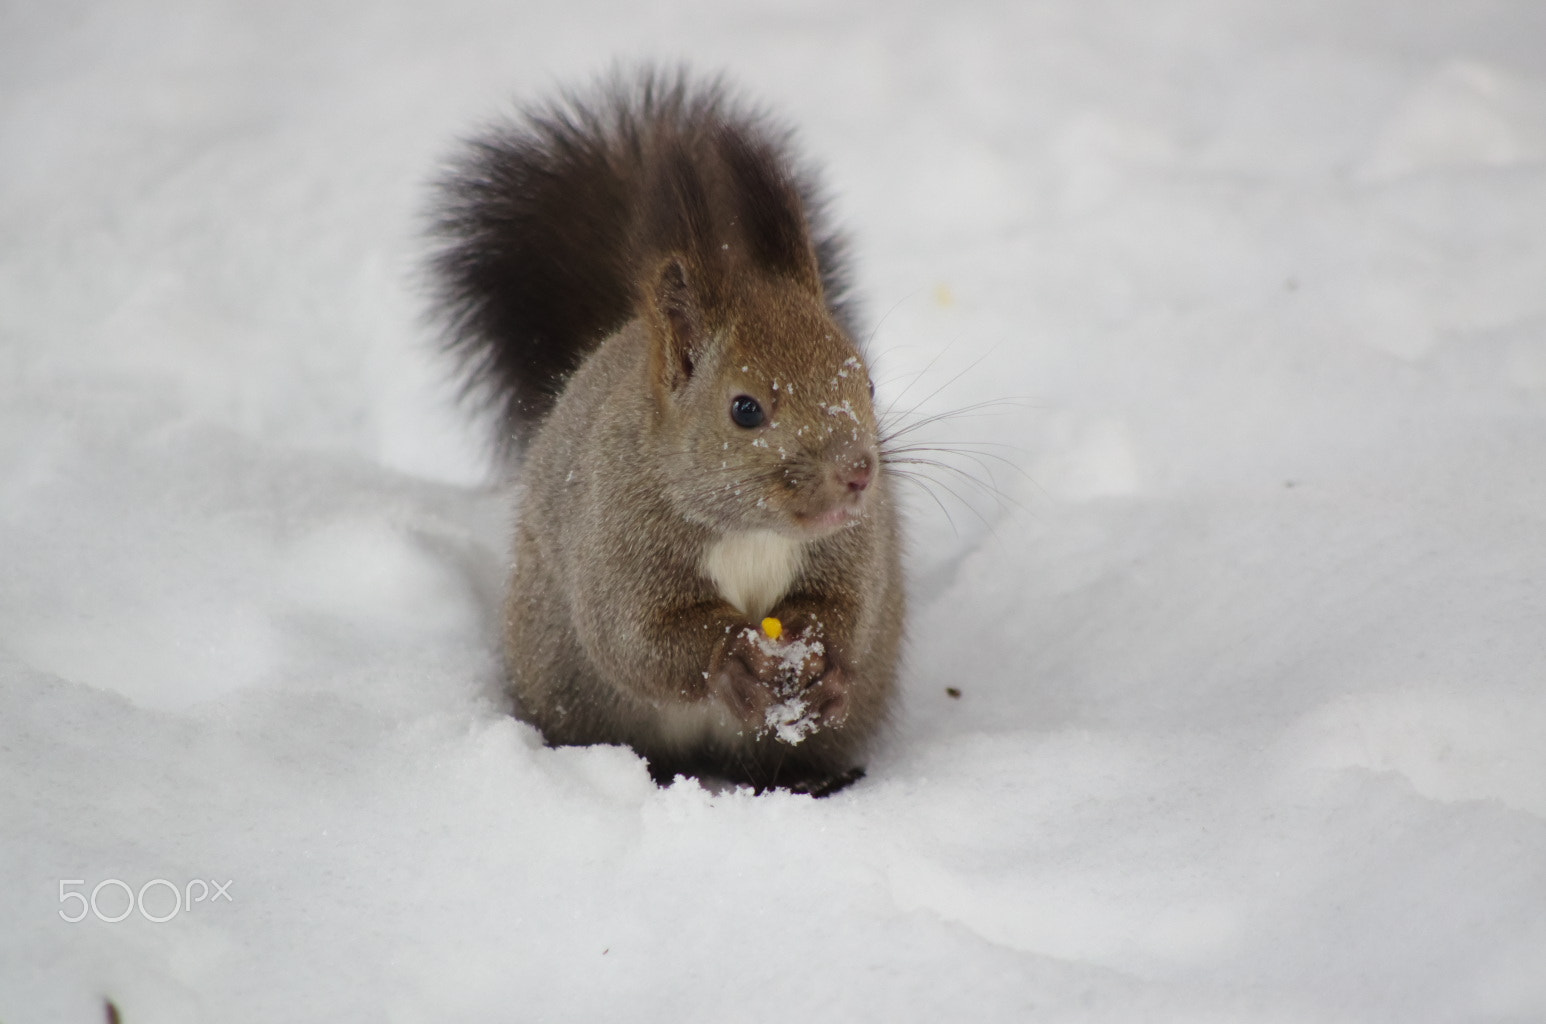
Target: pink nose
855,474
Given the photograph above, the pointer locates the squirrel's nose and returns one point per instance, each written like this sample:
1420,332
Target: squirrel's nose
856,474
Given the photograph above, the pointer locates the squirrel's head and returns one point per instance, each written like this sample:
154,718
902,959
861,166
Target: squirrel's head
764,405
763,401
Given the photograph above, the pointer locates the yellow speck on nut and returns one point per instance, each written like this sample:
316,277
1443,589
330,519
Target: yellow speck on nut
772,627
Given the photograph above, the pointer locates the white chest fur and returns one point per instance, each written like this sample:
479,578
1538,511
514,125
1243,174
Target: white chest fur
753,569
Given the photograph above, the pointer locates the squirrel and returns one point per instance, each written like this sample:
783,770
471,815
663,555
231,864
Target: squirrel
641,281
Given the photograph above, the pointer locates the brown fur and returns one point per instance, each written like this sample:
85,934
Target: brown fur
614,631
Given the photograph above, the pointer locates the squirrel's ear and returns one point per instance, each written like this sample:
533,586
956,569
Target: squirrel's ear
677,324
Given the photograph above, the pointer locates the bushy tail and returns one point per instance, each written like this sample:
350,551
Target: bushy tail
544,223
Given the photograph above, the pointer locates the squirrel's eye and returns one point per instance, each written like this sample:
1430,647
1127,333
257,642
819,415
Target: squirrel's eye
872,387
746,411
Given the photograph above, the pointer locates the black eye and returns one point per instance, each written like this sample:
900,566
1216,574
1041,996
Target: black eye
746,411
872,387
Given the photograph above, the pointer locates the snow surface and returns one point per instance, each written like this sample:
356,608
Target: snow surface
1250,641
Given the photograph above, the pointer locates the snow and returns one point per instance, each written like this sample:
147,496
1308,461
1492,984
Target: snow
1250,631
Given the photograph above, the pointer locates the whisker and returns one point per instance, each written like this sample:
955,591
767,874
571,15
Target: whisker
949,414
961,373
999,494
954,494
964,452
923,484
961,443
894,307
886,382
885,415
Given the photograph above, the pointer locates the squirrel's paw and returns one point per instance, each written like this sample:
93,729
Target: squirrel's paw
791,686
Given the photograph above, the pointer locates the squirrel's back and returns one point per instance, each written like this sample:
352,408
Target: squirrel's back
548,223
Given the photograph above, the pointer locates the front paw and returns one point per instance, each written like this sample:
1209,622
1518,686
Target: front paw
741,676
791,686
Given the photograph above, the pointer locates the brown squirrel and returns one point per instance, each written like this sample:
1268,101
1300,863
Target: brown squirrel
643,284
